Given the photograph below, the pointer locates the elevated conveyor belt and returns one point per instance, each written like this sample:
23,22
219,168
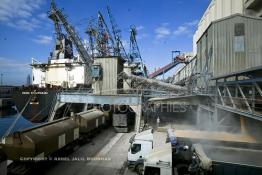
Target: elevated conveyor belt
167,68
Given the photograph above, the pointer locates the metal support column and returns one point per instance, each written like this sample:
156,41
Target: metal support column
198,115
138,110
253,97
215,116
245,99
258,89
220,95
230,96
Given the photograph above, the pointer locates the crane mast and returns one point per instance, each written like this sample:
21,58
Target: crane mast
118,48
58,15
104,40
58,30
134,53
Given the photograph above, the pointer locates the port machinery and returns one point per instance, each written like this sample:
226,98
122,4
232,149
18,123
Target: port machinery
176,60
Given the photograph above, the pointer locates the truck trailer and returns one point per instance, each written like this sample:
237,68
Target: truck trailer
220,160
208,158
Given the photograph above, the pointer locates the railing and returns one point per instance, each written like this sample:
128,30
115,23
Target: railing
131,92
242,98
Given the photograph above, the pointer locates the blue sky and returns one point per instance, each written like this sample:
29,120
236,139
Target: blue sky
26,32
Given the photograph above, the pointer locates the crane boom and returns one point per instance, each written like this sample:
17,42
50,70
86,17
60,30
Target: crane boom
104,38
58,29
119,48
134,52
86,58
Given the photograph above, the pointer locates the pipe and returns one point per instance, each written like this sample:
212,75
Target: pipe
154,82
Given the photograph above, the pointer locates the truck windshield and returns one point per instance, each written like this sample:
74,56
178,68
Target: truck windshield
135,148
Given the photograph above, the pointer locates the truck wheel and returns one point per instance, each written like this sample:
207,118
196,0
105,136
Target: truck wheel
139,168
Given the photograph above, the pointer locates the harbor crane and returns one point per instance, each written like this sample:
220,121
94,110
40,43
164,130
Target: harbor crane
58,30
101,41
134,53
57,15
104,38
118,48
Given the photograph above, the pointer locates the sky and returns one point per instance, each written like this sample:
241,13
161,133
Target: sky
26,32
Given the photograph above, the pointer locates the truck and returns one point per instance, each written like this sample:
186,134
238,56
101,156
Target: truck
123,122
172,158
205,158
221,160
140,145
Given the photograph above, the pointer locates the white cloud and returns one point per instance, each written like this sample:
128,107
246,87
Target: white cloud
181,30
138,28
18,13
43,39
24,24
142,36
165,24
186,28
162,31
42,15
192,23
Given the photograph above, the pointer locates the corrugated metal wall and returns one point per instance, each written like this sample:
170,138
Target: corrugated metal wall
109,84
217,9
185,72
229,50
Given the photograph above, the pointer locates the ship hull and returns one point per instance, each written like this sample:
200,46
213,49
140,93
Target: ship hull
35,105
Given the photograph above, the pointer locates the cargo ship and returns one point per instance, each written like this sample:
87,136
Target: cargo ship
62,71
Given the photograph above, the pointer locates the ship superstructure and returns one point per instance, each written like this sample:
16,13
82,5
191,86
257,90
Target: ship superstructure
63,69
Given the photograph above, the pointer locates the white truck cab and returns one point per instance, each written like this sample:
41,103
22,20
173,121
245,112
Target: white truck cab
168,159
159,161
140,145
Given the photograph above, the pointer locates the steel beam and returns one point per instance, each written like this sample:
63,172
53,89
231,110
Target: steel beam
207,108
238,111
138,110
220,95
244,97
230,96
258,89
99,99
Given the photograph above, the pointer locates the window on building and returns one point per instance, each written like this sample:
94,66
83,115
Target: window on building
239,38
